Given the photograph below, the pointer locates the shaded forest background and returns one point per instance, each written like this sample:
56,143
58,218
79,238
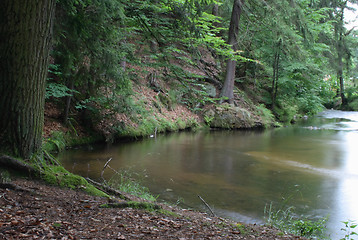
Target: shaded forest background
122,67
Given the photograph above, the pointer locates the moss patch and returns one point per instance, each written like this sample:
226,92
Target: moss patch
133,204
57,175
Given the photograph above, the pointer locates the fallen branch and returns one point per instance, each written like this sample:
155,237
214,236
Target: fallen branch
207,205
107,189
104,167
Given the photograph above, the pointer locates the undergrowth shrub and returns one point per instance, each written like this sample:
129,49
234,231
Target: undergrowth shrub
285,111
353,105
56,142
309,104
266,115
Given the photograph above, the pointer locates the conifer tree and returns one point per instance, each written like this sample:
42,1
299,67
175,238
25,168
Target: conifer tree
25,30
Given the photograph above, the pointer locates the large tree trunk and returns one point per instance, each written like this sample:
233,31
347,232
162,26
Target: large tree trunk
25,31
228,89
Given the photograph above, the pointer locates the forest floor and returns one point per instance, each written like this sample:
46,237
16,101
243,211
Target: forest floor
31,209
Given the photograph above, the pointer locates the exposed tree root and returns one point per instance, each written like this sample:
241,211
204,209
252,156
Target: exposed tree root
15,187
18,166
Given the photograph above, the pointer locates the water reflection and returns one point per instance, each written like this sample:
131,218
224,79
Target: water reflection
239,172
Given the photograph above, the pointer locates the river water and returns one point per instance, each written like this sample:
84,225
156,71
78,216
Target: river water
312,166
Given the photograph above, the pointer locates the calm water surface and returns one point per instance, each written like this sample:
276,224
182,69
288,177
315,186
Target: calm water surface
314,164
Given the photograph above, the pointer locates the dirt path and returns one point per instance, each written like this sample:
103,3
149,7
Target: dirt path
35,210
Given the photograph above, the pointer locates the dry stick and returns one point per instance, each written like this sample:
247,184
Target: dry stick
50,157
207,205
104,167
88,168
73,167
107,189
113,169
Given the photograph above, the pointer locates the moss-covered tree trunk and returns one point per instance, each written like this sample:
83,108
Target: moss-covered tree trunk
25,37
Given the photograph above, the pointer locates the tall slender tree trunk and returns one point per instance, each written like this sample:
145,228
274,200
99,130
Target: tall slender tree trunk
340,78
340,68
228,88
275,74
340,50
25,30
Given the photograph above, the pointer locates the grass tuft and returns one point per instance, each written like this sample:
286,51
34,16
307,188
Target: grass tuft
286,220
127,181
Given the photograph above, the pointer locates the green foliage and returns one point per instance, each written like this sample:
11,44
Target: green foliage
349,230
307,56
285,220
242,228
88,55
208,119
133,204
352,98
196,96
353,105
166,100
310,104
266,115
57,90
285,111
53,69
193,124
149,125
56,142
129,182
181,124
308,228
93,38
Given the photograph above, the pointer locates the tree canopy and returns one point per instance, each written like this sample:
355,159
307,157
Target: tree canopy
297,53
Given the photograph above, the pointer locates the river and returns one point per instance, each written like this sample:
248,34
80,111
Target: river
312,166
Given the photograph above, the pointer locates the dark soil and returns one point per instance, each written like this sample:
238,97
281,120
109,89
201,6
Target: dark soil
34,210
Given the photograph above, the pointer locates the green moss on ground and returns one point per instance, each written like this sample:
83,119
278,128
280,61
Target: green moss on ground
58,175
133,204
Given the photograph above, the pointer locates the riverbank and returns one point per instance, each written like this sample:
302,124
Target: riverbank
35,210
153,106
